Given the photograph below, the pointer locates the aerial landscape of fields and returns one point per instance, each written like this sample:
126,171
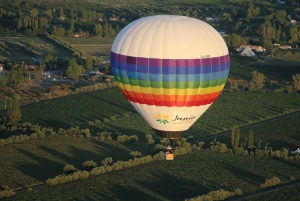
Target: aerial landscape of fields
68,131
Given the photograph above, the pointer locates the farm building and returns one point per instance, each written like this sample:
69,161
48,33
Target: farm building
252,47
248,52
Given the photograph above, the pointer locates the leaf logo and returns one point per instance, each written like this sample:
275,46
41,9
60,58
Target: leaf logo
162,118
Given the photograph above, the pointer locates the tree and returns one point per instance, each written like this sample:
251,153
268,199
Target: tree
257,82
237,137
71,25
296,81
250,139
89,63
98,31
13,110
73,69
108,69
34,12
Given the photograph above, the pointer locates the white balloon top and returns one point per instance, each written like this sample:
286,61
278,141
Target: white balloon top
169,37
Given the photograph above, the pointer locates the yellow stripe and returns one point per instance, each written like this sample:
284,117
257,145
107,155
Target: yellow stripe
160,91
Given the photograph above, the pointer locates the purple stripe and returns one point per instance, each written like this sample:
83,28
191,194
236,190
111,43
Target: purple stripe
141,61
170,70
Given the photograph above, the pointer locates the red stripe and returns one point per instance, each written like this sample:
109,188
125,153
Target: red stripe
171,100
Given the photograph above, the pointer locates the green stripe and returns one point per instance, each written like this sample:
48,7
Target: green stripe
171,85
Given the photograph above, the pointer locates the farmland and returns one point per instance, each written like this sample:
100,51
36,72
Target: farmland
99,47
27,162
24,48
169,181
73,122
111,103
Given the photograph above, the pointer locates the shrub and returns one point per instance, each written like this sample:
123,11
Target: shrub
69,169
6,193
97,122
89,164
2,142
238,191
107,161
91,123
270,182
159,147
135,153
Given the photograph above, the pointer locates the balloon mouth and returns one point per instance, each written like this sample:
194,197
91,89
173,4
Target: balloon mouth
173,136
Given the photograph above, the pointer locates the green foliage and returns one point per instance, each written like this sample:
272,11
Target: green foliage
73,69
61,179
158,147
135,153
235,136
257,82
6,193
89,164
296,81
149,139
69,169
250,139
270,182
107,161
213,195
13,110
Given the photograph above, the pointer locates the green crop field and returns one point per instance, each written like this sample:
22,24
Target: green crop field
238,108
93,46
278,134
77,109
187,176
33,162
24,48
290,193
89,41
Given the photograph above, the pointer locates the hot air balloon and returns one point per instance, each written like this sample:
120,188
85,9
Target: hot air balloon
171,69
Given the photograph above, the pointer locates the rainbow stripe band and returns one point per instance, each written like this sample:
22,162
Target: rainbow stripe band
171,101
170,82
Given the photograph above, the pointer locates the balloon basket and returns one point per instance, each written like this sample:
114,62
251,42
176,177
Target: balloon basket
169,157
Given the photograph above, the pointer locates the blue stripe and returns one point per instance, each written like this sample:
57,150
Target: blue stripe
169,70
172,77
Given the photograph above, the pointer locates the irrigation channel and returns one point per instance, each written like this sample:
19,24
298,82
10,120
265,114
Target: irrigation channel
218,135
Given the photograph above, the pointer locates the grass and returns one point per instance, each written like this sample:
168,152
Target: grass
39,47
76,109
89,41
35,161
278,134
238,108
290,193
92,46
187,176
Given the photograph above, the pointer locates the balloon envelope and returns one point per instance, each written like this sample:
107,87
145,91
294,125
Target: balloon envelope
171,69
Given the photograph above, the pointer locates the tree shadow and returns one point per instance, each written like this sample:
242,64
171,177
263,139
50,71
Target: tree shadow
172,187
116,105
122,192
244,175
53,123
42,170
